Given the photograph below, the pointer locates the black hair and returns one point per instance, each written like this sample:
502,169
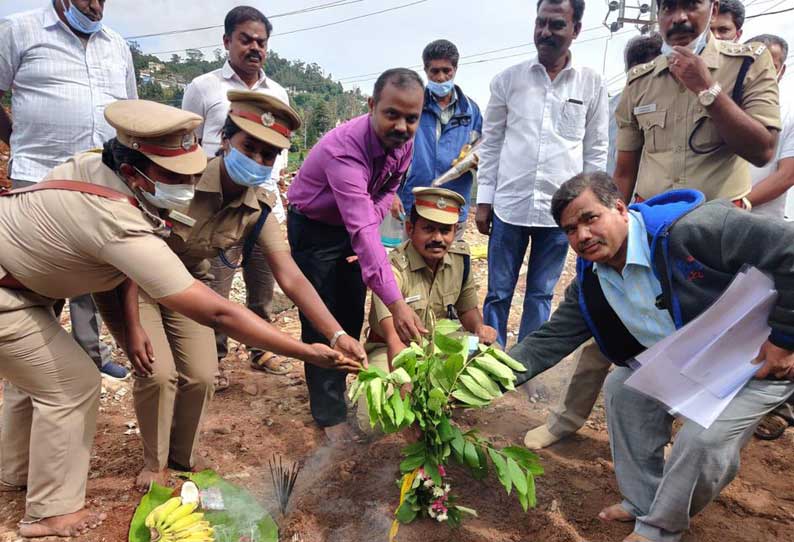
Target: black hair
413,216
577,5
771,39
441,50
736,9
642,49
243,14
399,77
114,153
598,182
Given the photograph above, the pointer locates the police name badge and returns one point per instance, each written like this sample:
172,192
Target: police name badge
648,108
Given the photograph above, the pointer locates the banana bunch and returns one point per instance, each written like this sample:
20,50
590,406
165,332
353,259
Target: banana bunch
174,521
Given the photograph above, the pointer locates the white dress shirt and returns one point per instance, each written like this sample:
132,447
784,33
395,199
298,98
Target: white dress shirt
537,134
785,149
206,96
60,86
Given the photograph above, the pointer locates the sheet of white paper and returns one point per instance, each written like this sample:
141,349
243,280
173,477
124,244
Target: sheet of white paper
699,369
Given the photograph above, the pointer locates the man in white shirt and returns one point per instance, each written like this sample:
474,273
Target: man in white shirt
546,121
63,66
772,181
246,33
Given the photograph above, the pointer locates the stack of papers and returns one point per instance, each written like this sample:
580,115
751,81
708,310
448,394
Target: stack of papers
700,368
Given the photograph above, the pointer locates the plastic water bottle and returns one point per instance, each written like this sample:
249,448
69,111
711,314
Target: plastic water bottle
392,231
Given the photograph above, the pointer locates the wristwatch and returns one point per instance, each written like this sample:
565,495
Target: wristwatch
336,336
707,97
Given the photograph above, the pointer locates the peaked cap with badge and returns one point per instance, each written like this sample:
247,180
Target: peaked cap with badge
164,134
267,118
438,204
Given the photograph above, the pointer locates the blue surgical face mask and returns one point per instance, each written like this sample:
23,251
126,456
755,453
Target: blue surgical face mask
245,171
168,196
441,89
79,20
696,45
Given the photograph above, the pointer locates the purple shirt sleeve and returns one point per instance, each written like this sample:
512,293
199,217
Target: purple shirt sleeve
348,180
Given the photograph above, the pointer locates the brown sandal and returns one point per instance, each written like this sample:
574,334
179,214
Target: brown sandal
771,426
272,363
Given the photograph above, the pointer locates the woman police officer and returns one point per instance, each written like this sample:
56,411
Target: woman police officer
66,239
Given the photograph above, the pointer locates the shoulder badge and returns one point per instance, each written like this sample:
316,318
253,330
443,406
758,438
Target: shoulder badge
638,71
398,258
268,197
753,50
460,247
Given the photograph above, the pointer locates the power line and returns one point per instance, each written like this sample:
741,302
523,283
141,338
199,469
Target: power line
769,13
363,16
310,9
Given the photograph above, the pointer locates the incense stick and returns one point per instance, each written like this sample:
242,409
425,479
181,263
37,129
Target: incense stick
283,478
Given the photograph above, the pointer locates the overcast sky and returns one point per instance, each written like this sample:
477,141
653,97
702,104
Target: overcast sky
396,38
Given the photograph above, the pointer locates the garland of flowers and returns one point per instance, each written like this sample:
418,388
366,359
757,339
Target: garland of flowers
428,382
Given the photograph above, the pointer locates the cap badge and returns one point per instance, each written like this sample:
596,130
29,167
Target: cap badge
441,203
187,141
268,119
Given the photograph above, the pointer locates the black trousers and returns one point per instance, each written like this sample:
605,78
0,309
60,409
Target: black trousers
320,250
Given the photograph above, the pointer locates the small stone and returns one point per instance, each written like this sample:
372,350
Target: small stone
555,506
251,389
131,424
222,430
268,422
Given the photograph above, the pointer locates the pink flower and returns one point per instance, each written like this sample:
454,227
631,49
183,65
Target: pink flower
422,475
442,471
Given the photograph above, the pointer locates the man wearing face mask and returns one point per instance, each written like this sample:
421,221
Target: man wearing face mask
246,35
450,121
173,356
698,113
66,42
337,201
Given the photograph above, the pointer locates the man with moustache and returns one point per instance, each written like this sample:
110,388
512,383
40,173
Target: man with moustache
63,66
337,203
698,113
545,122
635,286
433,273
246,35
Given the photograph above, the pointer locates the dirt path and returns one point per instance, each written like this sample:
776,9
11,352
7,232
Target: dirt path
347,495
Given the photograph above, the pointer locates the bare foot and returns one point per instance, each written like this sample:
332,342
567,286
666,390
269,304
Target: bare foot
634,537
144,480
73,524
616,512
340,433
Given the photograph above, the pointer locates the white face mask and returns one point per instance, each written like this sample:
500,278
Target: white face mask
168,196
696,45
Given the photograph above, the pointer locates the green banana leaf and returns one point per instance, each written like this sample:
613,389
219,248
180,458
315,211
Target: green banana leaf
243,519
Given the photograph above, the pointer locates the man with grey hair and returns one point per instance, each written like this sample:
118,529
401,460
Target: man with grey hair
619,300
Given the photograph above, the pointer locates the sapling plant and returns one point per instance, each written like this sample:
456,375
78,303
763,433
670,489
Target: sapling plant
429,381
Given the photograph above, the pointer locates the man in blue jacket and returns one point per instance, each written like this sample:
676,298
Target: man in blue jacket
642,273
450,120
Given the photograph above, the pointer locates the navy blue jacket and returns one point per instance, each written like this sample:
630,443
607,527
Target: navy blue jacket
432,156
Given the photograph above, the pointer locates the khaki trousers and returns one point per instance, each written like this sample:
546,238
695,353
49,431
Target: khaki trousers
569,415
51,399
171,403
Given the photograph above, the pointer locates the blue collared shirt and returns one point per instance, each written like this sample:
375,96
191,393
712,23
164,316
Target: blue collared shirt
632,294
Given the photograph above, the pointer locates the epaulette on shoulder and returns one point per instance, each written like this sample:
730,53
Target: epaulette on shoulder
641,69
460,247
267,197
753,50
398,258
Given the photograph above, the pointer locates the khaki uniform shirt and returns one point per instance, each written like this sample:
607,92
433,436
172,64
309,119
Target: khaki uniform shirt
64,244
658,115
220,227
426,294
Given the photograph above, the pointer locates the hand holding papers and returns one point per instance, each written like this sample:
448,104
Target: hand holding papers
700,368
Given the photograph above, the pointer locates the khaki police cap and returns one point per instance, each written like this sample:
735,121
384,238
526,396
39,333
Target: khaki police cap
162,133
438,204
265,117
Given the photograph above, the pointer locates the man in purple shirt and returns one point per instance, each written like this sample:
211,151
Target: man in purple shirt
337,202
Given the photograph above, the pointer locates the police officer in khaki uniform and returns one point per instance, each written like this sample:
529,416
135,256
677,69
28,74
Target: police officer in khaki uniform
173,356
433,272
682,122
62,239
691,118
